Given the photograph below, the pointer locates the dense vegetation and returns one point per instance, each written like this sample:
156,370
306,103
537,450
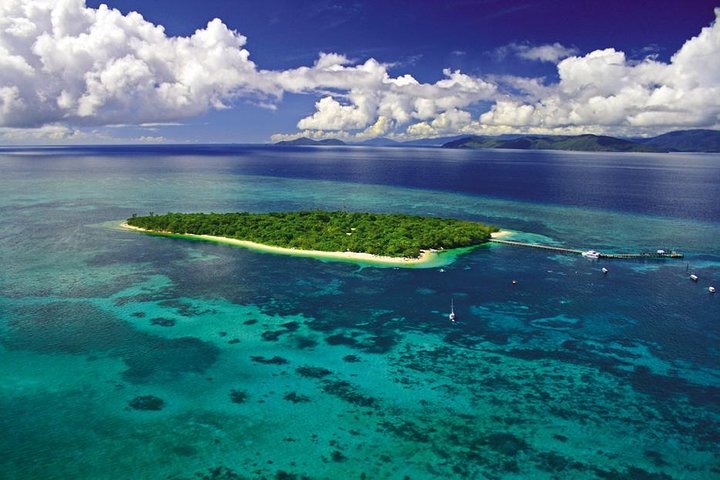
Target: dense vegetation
586,143
394,235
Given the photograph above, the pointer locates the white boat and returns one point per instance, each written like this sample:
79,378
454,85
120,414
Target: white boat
711,289
452,310
591,254
693,277
605,270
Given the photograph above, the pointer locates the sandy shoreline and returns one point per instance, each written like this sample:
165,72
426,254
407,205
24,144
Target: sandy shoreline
426,257
501,234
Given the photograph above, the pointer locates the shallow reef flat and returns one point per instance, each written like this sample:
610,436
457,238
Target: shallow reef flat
130,356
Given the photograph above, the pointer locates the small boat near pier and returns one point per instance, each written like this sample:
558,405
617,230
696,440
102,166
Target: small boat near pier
594,254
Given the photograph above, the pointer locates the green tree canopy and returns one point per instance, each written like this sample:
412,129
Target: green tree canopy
394,235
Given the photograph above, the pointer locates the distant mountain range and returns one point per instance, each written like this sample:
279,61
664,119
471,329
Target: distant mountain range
678,141
374,142
310,141
585,143
688,141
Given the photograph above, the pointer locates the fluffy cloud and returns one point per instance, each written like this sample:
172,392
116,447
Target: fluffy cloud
542,53
63,62
331,115
370,93
600,92
64,67
53,134
450,122
367,92
605,90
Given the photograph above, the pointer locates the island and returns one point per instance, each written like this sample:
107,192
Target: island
687,141
577,143
304,141
386,238
676,141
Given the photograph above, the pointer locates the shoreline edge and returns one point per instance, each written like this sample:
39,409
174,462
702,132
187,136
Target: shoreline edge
428,258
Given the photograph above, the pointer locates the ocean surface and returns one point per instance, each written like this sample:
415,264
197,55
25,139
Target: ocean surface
129,356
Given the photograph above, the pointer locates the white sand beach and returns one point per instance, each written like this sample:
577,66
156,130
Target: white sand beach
426,257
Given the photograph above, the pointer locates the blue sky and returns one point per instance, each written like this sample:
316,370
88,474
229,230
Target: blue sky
73,71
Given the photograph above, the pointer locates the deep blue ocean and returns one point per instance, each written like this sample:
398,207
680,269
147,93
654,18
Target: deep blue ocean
130,356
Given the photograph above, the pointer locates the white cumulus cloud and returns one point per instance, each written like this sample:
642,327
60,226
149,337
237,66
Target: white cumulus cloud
599,92
551,52
63,62
604,90
367,92
66,67
331,115
545,53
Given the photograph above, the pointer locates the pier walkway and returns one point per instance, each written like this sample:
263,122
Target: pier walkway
664,254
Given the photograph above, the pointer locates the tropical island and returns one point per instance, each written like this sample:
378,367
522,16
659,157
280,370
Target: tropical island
677,141
389,238
577,143
304,141
696,140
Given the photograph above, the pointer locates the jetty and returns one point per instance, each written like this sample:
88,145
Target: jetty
656,254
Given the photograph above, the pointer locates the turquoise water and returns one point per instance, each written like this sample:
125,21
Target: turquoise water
272,366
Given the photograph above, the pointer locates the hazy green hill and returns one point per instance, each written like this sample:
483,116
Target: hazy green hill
688,141
310,141
679,141
394,235
379,142
431,142
586,143
600,143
